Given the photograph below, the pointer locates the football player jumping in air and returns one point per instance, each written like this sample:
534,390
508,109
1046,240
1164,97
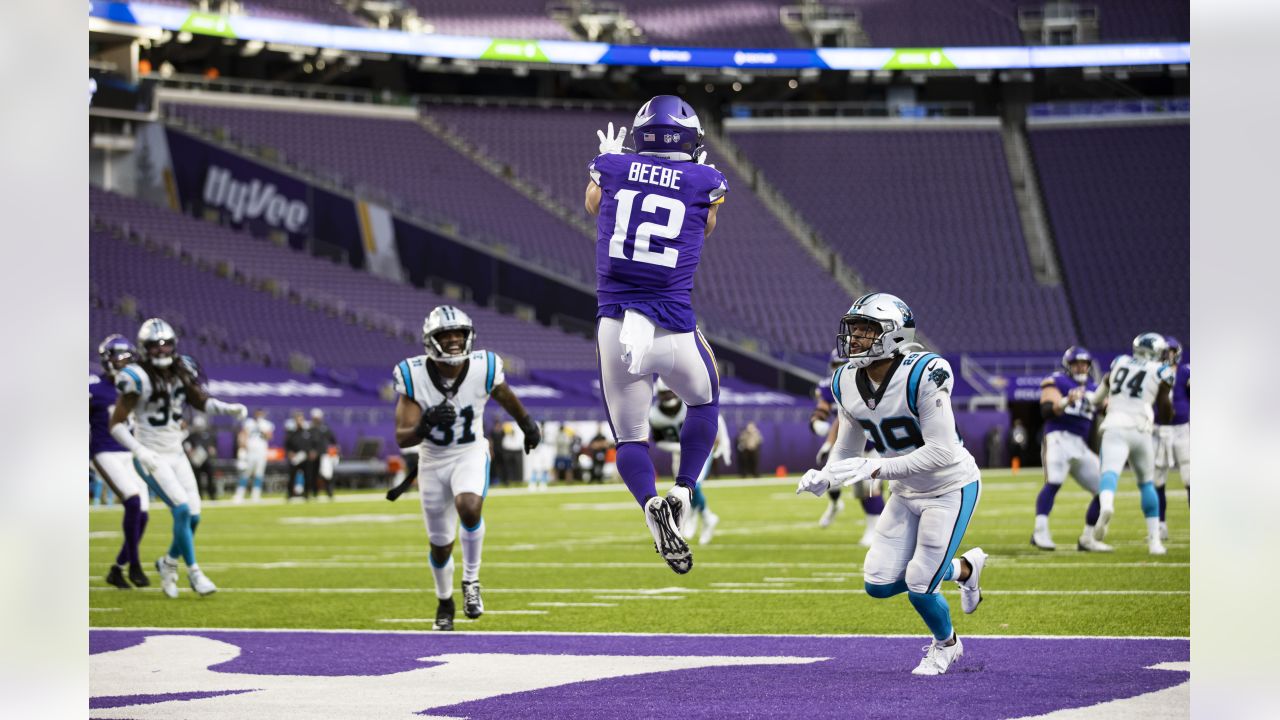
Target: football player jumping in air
1134,384
440,411
901,400
1173,438
1068,417
113,462
156,391
666,417
820,423
655,206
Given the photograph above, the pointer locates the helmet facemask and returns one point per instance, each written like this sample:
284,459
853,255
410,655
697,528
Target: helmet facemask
160,353
115,353
1082,376
449,350
876,351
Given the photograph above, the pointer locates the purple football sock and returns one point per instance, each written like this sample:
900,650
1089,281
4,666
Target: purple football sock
696,439
636,468
1091,515
132,526
873,505
1044,501
1163,502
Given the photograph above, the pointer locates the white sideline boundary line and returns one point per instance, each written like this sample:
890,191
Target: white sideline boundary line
559,633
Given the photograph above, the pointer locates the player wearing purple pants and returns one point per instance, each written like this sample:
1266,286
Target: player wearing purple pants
655,206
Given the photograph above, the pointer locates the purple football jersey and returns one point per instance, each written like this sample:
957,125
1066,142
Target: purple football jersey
1077,418
102,395
823,392
649,234
1181,397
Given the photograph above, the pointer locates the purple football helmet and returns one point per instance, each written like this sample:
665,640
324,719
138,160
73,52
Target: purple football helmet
1173,353
1075,353
667,124
114,352
834,359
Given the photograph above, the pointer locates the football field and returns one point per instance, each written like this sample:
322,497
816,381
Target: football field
579,559
577,563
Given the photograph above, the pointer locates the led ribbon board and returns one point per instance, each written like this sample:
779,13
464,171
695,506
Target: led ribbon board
245,27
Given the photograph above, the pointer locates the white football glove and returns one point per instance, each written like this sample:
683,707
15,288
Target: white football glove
240,412
854,470
610,145
816,482
702,159
147,458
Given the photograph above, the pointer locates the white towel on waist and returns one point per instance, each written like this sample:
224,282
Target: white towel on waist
636,338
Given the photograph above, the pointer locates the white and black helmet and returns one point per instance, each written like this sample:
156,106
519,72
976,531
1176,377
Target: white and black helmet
897,328
157,343
1149,346
447,317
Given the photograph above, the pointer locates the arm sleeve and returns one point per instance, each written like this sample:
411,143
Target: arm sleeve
937,427
596,168
719,190
850,439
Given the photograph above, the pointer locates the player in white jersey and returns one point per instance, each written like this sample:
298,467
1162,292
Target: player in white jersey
255,438
666,418
901,401
1135,383
155,391
440,410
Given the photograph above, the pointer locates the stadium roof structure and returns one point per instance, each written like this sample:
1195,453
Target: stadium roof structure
557,52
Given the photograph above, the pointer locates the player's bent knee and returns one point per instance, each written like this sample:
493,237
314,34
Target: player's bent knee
881,591
182,512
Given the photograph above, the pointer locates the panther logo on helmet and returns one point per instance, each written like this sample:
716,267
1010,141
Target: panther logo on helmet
890,315
1148,346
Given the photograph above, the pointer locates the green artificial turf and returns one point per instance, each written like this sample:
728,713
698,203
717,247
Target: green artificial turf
579,559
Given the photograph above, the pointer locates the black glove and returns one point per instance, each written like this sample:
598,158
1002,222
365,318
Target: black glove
441,415
532,434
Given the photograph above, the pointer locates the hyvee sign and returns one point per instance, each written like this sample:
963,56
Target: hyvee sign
245,193
253,199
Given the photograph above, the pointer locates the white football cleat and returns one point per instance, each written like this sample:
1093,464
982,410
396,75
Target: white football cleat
201,584
256,494
1042,540
681,500
829,515
239,496
708,527
1104,519
938,657
168,570
1155,547
689,527
1164,531
970,592
658,514
1086,543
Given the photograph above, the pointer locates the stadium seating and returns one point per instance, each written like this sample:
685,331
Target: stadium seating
736,23
492,18
401,160
327,12
754,277
925,214
1118,200
365,298
739,293
936,23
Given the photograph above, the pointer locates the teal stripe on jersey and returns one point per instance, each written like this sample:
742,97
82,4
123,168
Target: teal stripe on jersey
913,381
408,379
835,384
137,380
488,378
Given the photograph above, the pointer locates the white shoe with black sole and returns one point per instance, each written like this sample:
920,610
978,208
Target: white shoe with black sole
659,515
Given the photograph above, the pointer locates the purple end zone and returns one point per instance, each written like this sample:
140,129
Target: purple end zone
863,677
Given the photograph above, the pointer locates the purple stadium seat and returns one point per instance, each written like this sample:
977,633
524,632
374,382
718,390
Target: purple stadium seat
492,18
928,215
1118,199
735,23
332,341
